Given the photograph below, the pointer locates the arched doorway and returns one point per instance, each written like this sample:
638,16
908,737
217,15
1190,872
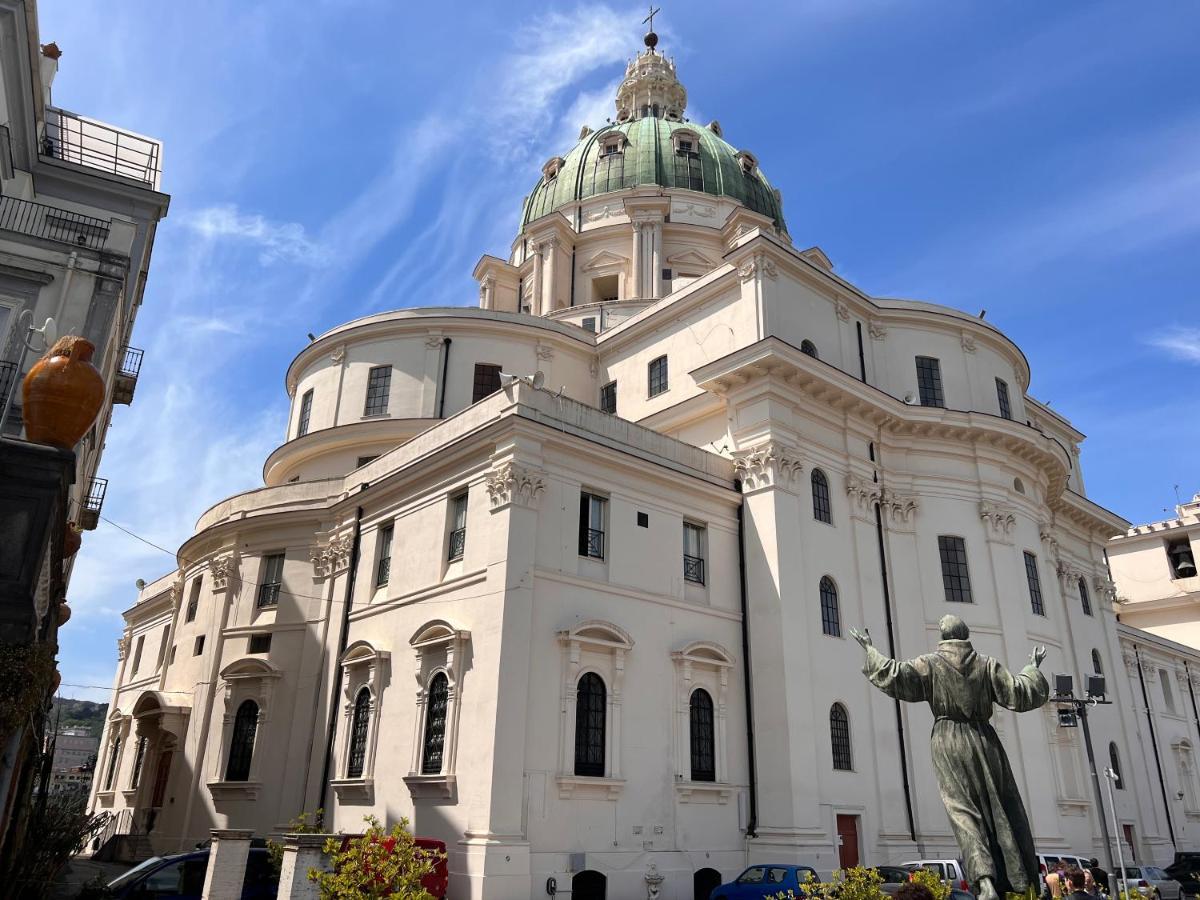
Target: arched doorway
704,882
588,885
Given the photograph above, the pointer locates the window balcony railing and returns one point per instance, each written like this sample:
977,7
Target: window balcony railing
458,544
76,139
693,569
8,375
51,223
127,375
268,595
93,501
594,543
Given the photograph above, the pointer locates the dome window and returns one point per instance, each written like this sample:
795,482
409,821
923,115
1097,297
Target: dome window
552,167
612,145
715,127
748,163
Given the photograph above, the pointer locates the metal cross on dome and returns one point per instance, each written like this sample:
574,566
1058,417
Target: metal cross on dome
650,18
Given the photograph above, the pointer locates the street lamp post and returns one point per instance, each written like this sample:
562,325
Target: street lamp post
1072,712
1111,778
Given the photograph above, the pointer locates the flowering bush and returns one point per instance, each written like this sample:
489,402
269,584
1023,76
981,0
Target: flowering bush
931,880
378,864
857,883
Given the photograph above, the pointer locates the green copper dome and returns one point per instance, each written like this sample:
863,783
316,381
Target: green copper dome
649,157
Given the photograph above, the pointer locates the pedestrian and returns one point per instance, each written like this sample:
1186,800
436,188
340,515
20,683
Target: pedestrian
1099,876
1077,881
1056,882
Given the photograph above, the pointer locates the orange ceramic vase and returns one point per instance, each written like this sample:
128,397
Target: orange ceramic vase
62,394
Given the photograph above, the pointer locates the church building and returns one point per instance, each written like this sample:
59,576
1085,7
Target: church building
567,579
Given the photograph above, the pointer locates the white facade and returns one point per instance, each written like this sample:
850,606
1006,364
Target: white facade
772,440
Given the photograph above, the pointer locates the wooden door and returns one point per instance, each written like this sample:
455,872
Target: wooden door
847,827
160,779
1128,829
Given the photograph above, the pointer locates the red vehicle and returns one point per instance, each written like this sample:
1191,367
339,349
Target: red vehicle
437,881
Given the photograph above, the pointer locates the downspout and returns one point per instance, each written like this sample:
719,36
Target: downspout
441,404
1192,694
72,261
752,824
1162,784
572,275
337,661
862,359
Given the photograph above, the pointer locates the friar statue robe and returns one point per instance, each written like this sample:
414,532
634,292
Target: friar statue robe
977,785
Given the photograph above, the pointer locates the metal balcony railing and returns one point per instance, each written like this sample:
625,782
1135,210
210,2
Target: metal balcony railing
127,375
76,139
693,569
458,544
8,374
52,223
93,502
593,543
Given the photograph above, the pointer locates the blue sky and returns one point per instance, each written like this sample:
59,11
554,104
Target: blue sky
330,159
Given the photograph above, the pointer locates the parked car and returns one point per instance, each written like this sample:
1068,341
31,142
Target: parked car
1048,862
181,877
764,881
1152,883
1186,870
893,878
951,871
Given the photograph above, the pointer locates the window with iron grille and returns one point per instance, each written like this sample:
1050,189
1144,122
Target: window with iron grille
260,643
487,381
808,348
657,376
198,647
689,173
137,653
929,381
139,757
1085,598
590,711
703,739
241,745
608,398
1035,584
1114,762
435,725
113,756
1002,398
693,553
839,736
193,600
359,725
272,580
591,525
822,508
1096,666
383,570
305,413
379,383
458,527
831,615
956,580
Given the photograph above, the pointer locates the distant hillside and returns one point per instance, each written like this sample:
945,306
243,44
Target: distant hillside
78,714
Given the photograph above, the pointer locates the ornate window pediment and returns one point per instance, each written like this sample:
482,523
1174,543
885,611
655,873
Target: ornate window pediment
439,650
701,698
365,673
247,682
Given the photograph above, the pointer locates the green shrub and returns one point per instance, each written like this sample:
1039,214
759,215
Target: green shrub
378,864
305,823
933,881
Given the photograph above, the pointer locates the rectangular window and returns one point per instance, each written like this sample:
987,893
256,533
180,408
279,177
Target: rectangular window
260,643
487,381
693,553
1002,398
666,275
591,525
657,376
383,570
1168,697
458,527
929,381
379,383
608,398
272,579
589,324
198,648
193,600
162,646
137,653
305,413
1035,584
955,578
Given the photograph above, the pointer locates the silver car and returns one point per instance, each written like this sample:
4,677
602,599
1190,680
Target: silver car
1152,883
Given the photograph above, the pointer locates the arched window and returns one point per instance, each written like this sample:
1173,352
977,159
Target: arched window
704,757
809,348
358,733
839,738
1114,762
1085,598
436,702
1096,666
241,747
591,700
831,617
822,511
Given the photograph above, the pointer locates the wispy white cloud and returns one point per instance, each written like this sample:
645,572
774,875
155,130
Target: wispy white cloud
1179,342
275,240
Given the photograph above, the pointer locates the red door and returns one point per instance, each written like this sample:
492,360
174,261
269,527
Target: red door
1128,829
847,827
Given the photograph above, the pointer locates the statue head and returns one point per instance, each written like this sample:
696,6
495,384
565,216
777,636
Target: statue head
954,629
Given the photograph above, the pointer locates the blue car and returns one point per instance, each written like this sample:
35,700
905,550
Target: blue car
764,881
181,877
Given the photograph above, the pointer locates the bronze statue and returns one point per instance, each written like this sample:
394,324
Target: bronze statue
977,785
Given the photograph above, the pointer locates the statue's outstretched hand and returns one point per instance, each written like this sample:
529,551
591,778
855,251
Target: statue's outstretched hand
1038,654
863,637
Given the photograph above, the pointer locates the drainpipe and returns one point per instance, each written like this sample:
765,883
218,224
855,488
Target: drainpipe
337,661
1192,694
72,260
1162,784
752,824
441,392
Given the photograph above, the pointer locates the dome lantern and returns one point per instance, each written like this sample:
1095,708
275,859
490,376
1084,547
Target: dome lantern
651,87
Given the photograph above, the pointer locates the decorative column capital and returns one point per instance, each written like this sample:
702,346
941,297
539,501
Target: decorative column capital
772,464
512,484
759,266
900,510
1000,518
331,553
968,342
877,330
434,341
222,569
843,311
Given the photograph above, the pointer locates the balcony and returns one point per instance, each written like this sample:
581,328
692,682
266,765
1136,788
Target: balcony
52,224
85,142
693,569
127,375
89,514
